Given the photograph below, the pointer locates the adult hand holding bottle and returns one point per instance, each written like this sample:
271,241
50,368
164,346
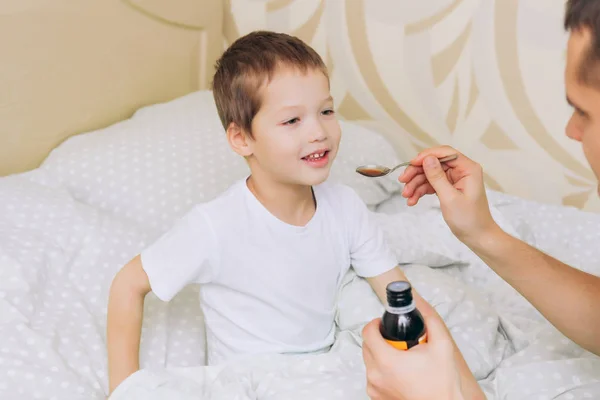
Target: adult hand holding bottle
425,372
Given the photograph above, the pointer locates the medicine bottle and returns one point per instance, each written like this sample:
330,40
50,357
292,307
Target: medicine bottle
402,325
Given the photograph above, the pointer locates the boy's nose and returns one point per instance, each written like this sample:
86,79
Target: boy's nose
319,134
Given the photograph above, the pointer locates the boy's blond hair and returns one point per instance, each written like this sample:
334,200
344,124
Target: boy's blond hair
249,63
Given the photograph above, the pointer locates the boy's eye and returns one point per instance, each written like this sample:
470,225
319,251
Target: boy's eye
328,112
291,121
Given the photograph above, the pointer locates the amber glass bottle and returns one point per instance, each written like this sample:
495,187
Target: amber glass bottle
402,325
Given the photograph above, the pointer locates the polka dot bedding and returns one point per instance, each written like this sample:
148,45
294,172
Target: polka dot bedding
68,226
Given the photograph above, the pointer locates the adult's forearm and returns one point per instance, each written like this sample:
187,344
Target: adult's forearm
566,296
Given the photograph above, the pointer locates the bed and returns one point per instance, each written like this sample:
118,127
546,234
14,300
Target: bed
100,155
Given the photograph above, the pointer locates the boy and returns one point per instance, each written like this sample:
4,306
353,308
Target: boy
271,251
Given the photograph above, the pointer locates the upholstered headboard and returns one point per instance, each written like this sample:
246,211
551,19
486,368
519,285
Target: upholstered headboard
71,66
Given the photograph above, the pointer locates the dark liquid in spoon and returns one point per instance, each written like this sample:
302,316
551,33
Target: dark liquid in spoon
371,171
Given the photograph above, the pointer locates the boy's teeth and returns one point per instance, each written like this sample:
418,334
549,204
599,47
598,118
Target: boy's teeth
319,155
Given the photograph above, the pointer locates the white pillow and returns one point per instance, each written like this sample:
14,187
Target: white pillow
153,167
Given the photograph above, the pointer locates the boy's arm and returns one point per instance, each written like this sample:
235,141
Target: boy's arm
124,325
469,386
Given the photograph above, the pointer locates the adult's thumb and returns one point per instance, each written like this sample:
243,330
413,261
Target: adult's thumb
437,177
436,328
439,336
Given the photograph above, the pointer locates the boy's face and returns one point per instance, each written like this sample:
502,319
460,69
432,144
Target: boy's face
295,133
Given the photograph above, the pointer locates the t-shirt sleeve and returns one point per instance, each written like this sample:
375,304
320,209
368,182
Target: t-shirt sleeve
370,254
185,254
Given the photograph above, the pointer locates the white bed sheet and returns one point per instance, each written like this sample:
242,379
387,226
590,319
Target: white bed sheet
58,256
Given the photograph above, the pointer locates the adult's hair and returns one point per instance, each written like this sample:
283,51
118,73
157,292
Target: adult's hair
585,14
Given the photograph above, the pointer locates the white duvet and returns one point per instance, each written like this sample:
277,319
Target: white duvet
58,257
66,228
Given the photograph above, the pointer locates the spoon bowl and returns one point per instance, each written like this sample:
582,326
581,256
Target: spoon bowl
376,171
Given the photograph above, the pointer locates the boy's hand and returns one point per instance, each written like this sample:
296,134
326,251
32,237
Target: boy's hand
459,187
425,372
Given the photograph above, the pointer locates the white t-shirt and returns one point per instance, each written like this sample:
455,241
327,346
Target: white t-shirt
267,286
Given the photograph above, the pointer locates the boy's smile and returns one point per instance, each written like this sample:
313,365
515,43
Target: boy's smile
317,159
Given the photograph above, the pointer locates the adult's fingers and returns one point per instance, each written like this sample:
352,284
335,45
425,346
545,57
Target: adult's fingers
413,184
438,152
437,331
421,191
367,356
437,178
372,339
412,171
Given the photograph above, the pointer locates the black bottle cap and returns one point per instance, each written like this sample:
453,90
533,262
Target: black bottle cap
399,294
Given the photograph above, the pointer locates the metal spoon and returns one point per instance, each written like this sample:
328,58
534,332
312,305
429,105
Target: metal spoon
375,171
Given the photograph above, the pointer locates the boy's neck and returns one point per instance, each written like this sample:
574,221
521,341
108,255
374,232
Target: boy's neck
292,204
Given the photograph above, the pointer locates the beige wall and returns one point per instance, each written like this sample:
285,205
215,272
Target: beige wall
484,76
71,66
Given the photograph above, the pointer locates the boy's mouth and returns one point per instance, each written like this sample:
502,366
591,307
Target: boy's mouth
317,159
316,156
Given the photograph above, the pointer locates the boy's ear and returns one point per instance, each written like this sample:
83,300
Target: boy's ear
239,140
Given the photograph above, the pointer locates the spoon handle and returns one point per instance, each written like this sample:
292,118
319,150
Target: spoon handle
443,159
404,164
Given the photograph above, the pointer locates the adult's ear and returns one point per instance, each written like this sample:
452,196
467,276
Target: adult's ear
239,140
